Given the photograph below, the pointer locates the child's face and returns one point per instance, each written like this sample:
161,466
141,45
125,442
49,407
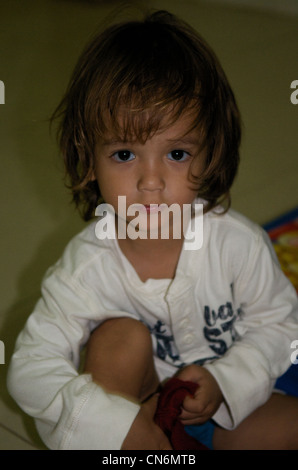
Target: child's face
154,172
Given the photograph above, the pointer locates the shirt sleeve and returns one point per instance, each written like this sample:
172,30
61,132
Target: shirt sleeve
70,410
266,327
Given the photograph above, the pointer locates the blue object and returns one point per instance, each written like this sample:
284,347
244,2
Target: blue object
288,382
283,219
202,433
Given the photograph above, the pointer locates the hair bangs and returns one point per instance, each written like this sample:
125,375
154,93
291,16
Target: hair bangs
132,119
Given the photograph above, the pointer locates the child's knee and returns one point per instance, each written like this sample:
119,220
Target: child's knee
137,334
120,357
126,327
124,337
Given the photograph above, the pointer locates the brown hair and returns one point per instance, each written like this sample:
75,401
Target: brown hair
148,69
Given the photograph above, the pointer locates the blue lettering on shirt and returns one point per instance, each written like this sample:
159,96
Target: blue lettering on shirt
218,323
219,333
165,341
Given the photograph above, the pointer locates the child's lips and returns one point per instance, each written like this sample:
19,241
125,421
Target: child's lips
148,208
152,208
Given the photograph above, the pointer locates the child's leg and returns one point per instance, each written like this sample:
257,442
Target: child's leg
120,358
273,426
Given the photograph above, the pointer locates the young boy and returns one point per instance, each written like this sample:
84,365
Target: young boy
149,116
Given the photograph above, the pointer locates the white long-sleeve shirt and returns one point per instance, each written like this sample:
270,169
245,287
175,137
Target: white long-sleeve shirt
229,308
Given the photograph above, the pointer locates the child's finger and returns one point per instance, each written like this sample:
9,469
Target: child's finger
187,417
193,405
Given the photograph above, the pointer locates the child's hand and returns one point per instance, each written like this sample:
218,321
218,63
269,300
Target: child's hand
207,398
144,434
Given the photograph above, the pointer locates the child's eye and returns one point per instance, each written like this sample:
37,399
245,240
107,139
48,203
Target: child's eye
178,155
123,156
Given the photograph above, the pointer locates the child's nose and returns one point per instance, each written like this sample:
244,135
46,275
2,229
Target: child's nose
151,178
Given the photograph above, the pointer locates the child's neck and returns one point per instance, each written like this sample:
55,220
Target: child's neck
152,259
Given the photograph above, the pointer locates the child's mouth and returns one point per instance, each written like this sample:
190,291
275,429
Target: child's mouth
147,208
152,208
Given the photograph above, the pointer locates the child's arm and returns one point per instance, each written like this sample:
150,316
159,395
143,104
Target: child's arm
265,329
70,410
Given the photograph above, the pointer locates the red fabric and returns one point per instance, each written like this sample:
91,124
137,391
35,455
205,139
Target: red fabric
168,410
